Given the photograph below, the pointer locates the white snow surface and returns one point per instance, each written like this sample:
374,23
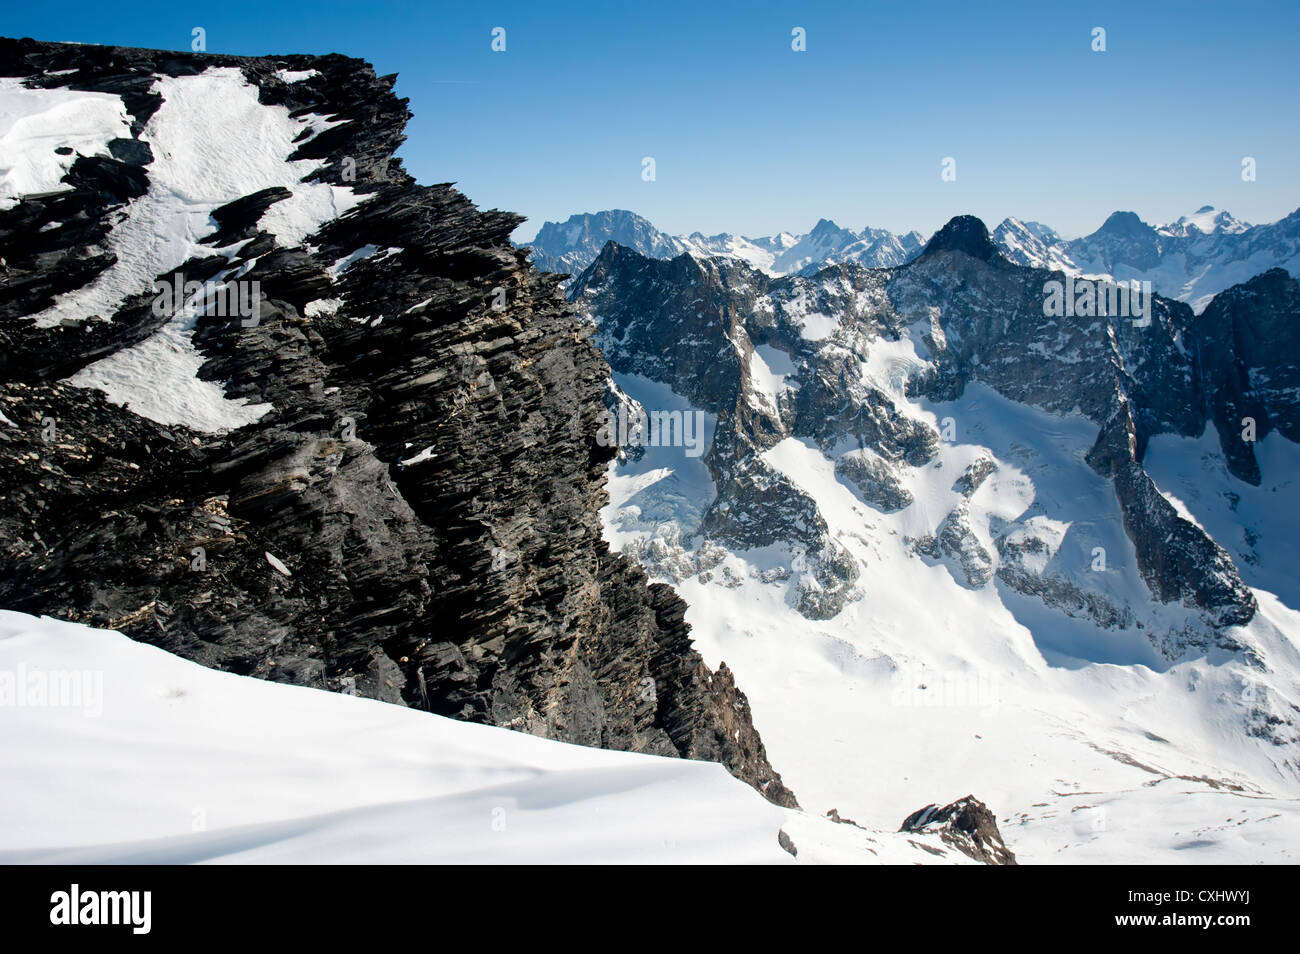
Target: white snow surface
159,379
296,76
34,123
162,761
768,369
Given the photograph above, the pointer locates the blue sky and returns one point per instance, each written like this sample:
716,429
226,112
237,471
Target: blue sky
752,137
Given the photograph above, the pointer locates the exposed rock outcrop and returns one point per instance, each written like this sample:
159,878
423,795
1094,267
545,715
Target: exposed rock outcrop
966,825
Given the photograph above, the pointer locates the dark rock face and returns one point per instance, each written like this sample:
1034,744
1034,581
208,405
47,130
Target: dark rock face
966,825
874,479
965,233
1249,365
1179,562
956,541
319,546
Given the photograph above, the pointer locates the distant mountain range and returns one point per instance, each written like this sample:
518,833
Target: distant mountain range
572,245
1191,259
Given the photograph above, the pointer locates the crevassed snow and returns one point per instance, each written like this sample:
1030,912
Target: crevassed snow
36,122
891,364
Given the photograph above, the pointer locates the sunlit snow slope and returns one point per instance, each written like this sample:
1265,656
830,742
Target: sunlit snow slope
153,759
1086,744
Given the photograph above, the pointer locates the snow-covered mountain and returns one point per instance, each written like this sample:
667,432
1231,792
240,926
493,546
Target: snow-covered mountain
939,534
572,245
1032,243
1191,260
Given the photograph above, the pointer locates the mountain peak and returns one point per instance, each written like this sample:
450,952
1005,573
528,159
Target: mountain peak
1124,224
964,233
827,229
1206,220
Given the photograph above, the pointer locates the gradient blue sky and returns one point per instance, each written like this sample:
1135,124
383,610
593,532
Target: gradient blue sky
751,137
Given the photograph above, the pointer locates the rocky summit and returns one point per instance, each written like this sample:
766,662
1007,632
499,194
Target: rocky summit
966,825
383,479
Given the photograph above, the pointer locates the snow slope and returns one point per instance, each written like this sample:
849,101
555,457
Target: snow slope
1089,745
158,760
35,123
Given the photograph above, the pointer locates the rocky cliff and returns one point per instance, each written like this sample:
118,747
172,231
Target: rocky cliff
409,508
